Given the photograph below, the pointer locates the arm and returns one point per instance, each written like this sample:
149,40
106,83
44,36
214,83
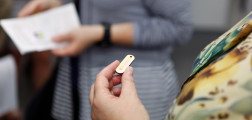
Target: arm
122,34
170,24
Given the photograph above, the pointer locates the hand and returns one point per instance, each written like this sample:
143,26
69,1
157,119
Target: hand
38,6
79,39
12,115
108,103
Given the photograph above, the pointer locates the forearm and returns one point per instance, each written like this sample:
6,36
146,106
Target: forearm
122,34
161,32
170,24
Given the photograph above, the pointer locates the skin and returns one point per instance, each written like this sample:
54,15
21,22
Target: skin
109,103
84,36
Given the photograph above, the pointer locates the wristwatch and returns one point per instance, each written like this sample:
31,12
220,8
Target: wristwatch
106,37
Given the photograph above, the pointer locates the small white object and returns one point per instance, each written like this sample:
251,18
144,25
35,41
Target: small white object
125,63
8,85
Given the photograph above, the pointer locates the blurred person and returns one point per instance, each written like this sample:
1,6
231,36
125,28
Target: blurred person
12,115
112,29
5,10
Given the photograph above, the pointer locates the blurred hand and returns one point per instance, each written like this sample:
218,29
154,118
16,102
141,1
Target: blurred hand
12,115
38,6
78,39
108,103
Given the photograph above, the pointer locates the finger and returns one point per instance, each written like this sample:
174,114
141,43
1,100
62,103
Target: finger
102,79
91,95
62,37
116,80
72,49
116,91
128,83
109,71
91,99
31,8
92,115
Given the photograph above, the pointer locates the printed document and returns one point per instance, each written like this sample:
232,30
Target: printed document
34,33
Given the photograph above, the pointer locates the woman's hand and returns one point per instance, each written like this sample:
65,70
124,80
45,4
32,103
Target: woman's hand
79,39
36,6
109,103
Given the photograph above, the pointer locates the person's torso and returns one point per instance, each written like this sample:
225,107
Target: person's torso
120,11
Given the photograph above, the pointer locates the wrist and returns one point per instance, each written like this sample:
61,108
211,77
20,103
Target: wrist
106,38
99,31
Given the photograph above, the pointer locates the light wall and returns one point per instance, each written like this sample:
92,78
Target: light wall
218,15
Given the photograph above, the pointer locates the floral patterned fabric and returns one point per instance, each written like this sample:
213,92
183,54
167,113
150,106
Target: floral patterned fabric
220,86
223,43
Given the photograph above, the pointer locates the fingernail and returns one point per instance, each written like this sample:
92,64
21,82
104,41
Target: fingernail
129,71
115,61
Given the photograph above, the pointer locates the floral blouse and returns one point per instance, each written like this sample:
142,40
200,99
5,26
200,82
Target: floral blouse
220,86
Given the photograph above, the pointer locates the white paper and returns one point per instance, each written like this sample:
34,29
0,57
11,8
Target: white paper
8,85
34,33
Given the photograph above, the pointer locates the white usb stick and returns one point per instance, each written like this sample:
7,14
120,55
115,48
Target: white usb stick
125,63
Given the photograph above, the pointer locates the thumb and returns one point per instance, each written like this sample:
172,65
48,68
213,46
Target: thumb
29,9
33,7
128,83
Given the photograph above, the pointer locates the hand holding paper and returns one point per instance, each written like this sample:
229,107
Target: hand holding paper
79,39
34,33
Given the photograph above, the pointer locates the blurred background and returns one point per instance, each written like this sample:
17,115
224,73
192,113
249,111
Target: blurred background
211,18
